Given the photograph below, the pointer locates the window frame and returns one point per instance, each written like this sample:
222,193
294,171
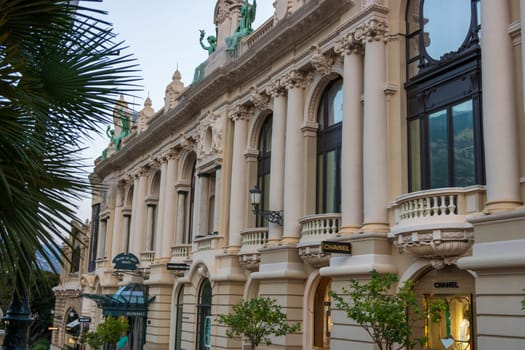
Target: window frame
264,160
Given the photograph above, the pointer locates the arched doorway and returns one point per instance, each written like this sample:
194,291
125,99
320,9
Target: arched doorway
322,324
204,318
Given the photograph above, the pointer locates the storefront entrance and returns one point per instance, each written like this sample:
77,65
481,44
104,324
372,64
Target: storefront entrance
454,289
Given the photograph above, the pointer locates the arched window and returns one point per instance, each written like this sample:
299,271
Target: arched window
204,318
178,320
330,117
322,319
444,94
263,168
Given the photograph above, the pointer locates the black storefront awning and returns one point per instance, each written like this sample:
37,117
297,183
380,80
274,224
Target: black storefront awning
131,300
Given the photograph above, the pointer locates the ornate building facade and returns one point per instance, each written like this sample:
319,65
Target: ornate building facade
394,125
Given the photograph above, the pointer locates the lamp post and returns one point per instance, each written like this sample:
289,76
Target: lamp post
273,216
17,320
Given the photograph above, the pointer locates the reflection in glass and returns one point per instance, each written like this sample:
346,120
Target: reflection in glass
438,147
453,330
447,23
415,155
335,113
464,161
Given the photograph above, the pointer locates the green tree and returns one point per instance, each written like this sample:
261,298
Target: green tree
387,317
107,332
257,319
60,77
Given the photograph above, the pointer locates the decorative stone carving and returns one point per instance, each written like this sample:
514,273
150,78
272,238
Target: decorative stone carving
259,100
173,90
441,247
348,44
186,142
145,115
276,89
241,112
373,30
322,63
250,262
314,256
210,136
296,79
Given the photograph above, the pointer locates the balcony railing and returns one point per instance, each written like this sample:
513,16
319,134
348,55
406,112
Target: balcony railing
319,226
252,240
446,206
147,258
209,242
315,229
179,253
433,224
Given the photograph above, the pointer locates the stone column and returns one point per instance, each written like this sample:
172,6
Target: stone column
169,217
352,142
151,205
522,23
161,207
134,215
499,108
138,230
239,191
277,165
101,243
217,206
117,241
126,213
181,214
296,82
375,147
200,209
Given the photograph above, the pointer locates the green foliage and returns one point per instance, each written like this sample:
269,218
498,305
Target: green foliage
42,344
387,317
60,78
257,319
107,332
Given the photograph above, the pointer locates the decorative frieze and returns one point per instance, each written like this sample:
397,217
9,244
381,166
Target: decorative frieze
210,133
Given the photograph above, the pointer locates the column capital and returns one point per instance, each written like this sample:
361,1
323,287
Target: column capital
241,112
373,30
322,63
260,100
296,79
348,44
187,143
276,88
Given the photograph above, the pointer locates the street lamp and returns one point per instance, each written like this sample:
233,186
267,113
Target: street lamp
273,216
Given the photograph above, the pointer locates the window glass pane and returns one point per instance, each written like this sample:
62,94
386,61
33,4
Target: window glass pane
415,155
453,330
438,148
447,23
335,113
464,159
331,173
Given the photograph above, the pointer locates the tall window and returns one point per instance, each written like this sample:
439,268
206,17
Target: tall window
263,168
330,117
444,94
190,199
95,215
178,321
204,318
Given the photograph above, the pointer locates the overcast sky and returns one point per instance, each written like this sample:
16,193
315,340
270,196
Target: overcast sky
163,35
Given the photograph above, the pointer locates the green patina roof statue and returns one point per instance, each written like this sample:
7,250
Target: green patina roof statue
212,40
125,132
245,25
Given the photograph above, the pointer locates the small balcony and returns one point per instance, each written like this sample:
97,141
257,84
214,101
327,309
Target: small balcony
252,240
432,224
180,253
316,229
208,242
147,258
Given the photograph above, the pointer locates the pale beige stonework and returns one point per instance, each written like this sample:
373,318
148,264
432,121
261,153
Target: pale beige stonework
211,131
